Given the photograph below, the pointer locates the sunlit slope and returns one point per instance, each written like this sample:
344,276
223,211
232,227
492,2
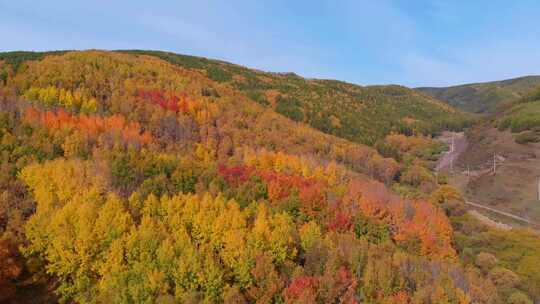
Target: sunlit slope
105,83
127,178
363,114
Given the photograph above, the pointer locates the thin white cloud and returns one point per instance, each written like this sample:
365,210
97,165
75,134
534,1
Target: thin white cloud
254,47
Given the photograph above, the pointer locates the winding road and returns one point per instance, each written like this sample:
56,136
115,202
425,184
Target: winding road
515,217
458,144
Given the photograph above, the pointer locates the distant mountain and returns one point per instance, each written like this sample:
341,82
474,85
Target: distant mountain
483,97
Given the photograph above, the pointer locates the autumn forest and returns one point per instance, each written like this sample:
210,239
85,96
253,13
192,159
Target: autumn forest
151,177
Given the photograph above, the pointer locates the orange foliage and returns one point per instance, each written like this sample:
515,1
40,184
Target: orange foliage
330,287
401,297
92,125
281,185
341,222
267,282
310,190
301,290
431,226
369,198
179,103
410,221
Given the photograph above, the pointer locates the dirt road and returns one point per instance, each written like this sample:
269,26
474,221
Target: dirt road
457,143
519,218
460,144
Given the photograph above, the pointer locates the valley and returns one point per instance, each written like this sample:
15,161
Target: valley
512,192
496,164
464,178
457,143
514,186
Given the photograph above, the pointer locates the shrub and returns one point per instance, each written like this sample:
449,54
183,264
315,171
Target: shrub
519,297
417,175
486,261
522,117
373,232
289,107
219,75
258,97
527,137
503,278
3,77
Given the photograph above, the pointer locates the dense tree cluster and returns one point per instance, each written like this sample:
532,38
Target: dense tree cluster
360,114
90,127
522,117
208,248
178,188
403,148
51,96
505,257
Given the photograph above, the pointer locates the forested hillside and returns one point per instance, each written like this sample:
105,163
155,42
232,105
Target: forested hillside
126,178
357,113
523,117
484,97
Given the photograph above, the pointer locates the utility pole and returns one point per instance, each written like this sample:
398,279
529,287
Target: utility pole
494,164
452,164
539,188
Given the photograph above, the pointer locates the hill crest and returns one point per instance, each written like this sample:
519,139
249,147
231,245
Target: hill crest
484,97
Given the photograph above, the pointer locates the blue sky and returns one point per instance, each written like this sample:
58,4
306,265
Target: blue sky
408,42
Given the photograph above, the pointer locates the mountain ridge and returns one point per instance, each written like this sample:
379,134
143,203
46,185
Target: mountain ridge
484,97
333,106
